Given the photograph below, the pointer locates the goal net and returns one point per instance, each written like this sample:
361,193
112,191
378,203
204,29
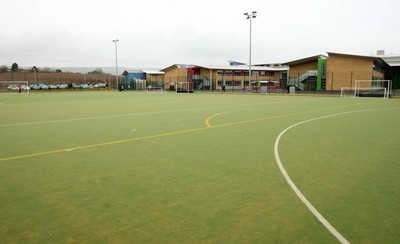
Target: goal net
184,87
373,88
368,88
347,92
154,89
14,87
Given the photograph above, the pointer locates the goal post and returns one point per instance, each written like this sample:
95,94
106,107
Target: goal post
152,89
373,88
184,87
347,92
14,87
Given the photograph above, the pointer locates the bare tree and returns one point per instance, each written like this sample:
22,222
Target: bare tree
14,67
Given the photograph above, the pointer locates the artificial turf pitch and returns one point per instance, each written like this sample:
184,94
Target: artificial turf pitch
110,167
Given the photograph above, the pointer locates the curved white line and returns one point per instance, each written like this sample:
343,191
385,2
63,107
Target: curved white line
294,187
135,114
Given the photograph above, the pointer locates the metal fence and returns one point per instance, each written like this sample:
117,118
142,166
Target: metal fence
329,83
71,80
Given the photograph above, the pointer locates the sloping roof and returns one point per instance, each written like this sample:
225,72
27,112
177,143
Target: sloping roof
153,72
375,58
132,71
392,60
226,67
179,66
305,60
351,55
242,67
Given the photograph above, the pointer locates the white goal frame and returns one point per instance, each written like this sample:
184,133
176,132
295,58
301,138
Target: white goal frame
368,88
184,87
347,92
13,87
151,89
364,86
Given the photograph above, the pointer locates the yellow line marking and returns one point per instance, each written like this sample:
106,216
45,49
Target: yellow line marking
209,126
207,121
102,144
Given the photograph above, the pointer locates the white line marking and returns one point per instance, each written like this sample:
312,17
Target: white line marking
294,187
133,130
144,113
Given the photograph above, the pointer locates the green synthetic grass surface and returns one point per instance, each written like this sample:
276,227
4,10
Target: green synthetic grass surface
109,167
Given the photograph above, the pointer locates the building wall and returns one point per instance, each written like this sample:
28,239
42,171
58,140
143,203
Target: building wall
299,69
154,77
342,71
175,74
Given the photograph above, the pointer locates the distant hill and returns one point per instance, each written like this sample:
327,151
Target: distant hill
85,70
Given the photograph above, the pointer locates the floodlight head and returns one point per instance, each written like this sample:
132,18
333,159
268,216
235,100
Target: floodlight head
254,12
246,13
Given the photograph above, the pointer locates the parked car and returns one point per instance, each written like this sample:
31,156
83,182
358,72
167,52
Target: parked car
100,85
12,87
43,87
52,87
84,86
34,87
63,86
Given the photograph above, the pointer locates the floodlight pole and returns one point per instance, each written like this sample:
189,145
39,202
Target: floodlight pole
116,61
249,17
34,73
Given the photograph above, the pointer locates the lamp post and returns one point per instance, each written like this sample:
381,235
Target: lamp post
249,17
116,61
34,73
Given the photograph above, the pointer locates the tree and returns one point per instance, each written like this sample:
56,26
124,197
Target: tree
97,71
14,67
3,69
58,71
46,70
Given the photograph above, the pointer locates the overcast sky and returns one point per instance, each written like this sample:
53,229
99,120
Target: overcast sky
159,33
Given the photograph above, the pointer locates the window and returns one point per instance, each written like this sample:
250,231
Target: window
270,73
246,83
228,82
246,73
263,73
254,73
238,83
238,73
228,72
220,83
220,72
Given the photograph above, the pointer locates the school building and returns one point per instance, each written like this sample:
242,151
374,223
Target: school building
338,70
328,72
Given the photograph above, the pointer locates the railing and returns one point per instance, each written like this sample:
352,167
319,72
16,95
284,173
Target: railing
204,81
298,82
